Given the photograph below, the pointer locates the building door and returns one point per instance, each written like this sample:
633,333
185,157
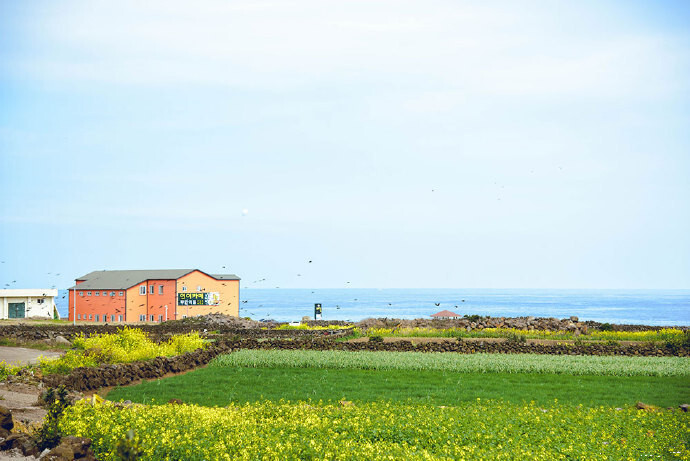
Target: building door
15,310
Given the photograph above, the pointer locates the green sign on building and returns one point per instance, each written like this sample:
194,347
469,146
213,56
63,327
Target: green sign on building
198,299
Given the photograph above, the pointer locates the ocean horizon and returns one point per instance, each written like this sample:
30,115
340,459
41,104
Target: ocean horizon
669,307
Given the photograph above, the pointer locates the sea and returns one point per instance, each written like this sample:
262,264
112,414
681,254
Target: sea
642,307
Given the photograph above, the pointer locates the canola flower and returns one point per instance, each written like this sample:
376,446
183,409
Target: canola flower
464,363
664,334
383,430
304,326
127,345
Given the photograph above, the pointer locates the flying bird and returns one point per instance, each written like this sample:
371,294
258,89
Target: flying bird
437,304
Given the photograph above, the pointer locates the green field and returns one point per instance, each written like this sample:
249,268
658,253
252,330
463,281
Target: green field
255,375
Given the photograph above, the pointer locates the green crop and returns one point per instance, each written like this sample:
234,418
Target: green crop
467,363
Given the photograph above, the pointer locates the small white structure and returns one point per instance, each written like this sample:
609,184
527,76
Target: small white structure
24,303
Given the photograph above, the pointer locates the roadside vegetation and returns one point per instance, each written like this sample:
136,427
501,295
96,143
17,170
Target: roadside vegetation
127,345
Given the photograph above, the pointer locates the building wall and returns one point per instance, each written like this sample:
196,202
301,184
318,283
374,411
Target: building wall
198,282
136,303
88,304
32,306
156,302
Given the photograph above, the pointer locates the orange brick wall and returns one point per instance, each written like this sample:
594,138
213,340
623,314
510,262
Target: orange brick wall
96,305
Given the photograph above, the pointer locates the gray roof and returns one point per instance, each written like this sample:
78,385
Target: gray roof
224,276
121,280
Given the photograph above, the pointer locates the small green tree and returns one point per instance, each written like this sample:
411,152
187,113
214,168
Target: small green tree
49,435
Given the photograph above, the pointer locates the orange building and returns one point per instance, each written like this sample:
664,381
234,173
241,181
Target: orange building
152,295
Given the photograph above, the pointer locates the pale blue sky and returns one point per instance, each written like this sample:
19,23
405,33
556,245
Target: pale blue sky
499,144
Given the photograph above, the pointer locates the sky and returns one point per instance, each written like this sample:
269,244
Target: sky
373,144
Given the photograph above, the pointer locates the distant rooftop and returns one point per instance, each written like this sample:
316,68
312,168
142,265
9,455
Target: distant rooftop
33,292
123,279
443,314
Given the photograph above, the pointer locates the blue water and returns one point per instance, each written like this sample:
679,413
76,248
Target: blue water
646,307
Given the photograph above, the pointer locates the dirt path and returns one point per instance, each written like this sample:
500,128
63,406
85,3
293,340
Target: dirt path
22,399
23,356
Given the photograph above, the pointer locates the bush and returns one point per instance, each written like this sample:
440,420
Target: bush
50,433
375,339
472,318
516,338
605,327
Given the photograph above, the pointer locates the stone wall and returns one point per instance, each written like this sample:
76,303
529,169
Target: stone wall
160,332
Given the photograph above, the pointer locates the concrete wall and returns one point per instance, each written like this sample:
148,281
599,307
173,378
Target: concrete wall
37,302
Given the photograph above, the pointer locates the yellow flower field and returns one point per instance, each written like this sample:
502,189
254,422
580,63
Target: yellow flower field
383,430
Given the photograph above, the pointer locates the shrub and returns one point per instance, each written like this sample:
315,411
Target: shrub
516,338
50,433
376,339
605,327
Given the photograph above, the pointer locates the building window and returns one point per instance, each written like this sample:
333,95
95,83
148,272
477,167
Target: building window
112,318
105,293
184,288
90,316
153,318
160,318
78,316
88,293
160,289
151,288
40,301
81,293
142,290
97,318
184,316
112,293
119,318
97,293
142,317
122,293
198,288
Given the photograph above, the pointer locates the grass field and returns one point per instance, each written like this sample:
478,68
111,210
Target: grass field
251,376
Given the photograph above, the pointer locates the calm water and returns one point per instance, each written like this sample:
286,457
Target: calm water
648,307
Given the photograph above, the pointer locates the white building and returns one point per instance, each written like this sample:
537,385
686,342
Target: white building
19,304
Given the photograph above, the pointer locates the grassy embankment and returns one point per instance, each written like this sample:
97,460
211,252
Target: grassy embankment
438,379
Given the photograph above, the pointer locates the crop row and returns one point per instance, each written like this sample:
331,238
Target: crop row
466,363
664,334
380,430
